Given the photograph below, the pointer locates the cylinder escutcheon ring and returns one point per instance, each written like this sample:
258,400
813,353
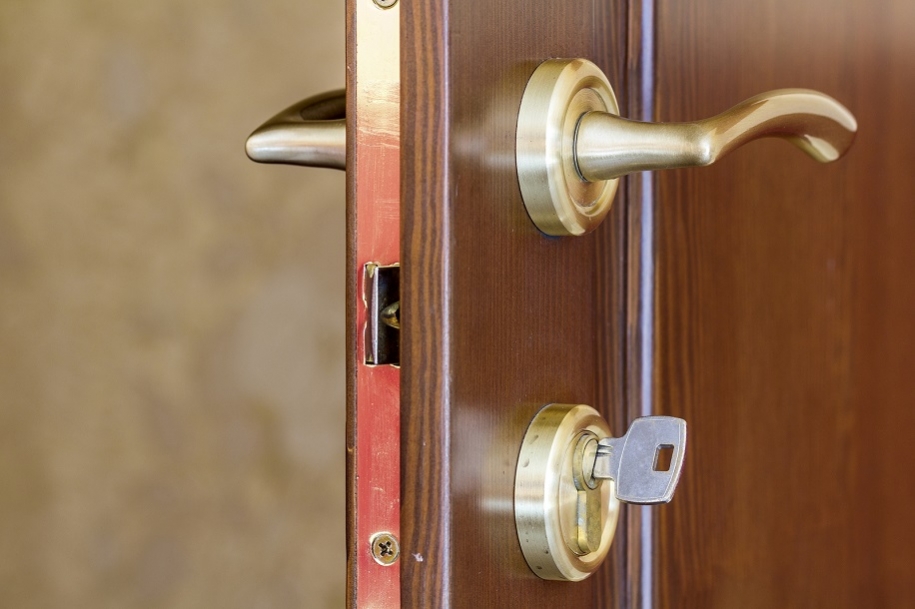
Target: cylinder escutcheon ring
545,493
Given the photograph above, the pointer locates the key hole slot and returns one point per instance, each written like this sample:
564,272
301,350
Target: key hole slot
662,457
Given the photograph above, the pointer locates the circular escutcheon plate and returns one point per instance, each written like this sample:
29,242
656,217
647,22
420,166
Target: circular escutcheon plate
557,198
546,497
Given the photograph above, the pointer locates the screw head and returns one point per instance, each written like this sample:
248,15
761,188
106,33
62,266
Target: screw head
385,3
385,548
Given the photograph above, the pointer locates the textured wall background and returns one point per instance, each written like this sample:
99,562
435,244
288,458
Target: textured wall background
171,314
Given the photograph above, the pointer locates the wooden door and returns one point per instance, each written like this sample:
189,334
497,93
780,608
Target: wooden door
767,300
498,319
785,315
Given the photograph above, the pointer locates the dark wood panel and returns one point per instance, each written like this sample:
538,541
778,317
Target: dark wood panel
786,315
498,319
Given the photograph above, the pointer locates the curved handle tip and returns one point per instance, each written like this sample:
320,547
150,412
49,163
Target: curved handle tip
310,133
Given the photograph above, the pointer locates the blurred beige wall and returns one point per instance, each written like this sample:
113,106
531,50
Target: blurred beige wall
171,314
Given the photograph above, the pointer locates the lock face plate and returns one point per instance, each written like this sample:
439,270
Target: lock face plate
554,512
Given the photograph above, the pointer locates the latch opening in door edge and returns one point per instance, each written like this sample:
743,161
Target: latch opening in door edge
382,327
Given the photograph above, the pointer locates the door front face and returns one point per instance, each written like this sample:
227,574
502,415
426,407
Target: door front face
766,300
498,320
785,315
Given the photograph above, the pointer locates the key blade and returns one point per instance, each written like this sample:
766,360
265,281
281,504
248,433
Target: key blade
631,460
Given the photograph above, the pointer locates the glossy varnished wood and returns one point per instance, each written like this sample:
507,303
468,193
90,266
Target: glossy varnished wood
786,315
498,320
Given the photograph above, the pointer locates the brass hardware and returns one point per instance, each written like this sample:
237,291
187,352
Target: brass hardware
565,150
571,477
548,509
311,133
610,146
373,198
588,521
385,548
558,93
382,326
390,315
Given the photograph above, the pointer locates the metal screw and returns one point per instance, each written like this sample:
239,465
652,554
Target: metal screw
385,3
385,547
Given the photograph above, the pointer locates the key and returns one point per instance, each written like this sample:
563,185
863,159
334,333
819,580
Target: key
632,461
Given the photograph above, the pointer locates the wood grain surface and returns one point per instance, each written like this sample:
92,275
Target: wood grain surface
786,315
498,320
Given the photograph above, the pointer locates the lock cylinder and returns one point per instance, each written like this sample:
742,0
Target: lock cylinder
565,527
571,477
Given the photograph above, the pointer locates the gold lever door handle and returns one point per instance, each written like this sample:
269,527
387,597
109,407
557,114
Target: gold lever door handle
310,133
572,145
610,147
